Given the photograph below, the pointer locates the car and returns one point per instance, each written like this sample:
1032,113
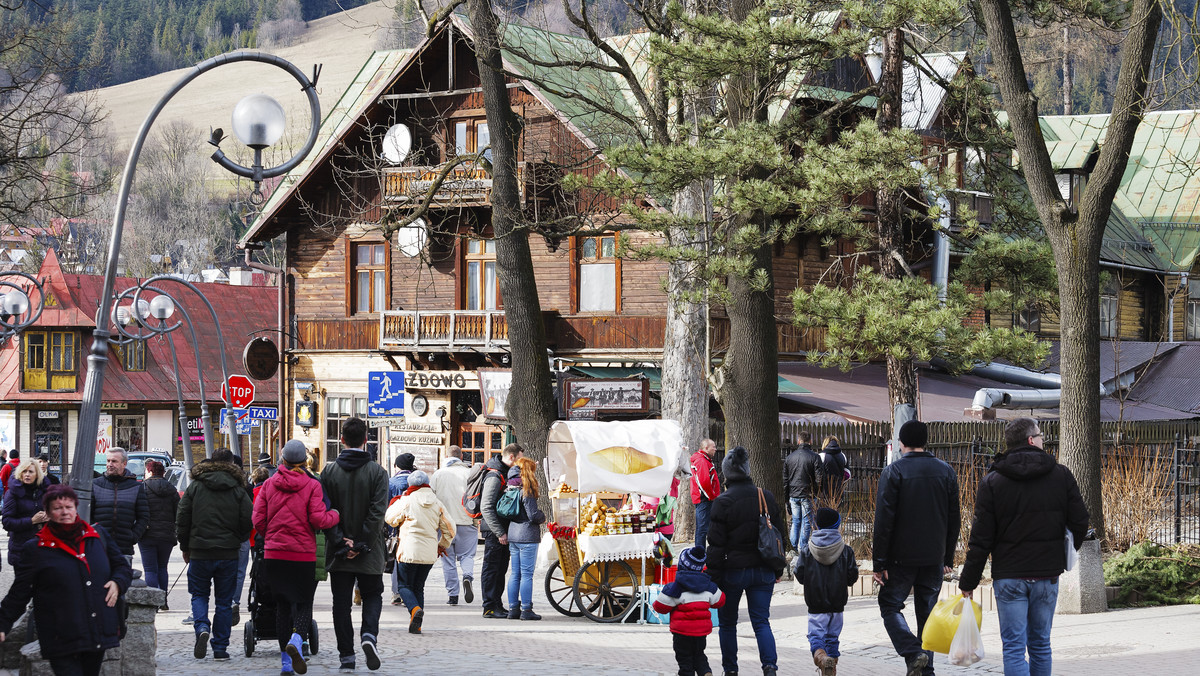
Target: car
137,462
180,477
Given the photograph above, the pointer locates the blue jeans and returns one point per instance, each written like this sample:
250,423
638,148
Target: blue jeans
221,576
802,516
1026,609
461,554
757,584
243,561
522,559
412,583
823,632
924,583
702,511
155,556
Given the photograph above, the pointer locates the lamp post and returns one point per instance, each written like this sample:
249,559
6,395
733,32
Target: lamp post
17,310
258,124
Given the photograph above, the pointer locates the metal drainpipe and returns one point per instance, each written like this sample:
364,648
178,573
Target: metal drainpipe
281,277
941,267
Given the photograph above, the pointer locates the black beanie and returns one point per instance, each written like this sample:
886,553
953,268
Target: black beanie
736,465
914,434
405,461
827,518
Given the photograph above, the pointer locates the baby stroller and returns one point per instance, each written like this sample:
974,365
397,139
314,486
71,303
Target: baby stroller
261,626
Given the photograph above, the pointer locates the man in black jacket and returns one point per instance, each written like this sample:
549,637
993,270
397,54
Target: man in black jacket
495,533
916,532
802,474
119,502
1023,509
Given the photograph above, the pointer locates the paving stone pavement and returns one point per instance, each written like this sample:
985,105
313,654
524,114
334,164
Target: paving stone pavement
458,640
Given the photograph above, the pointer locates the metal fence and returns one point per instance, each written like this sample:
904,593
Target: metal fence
1150,471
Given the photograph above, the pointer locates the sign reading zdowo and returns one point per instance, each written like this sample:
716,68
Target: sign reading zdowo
441,380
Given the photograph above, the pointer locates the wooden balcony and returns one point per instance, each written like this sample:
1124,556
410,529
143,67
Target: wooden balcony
962,201
444,329
465,186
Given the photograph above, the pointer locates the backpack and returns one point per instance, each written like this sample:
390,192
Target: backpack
511,506
472,500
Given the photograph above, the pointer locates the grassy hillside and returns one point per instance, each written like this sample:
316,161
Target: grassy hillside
339,42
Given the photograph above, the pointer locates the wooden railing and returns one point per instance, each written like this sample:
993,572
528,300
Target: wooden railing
981,204
443,328
337,334
467,185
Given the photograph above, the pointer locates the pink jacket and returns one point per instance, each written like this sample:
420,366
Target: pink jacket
289,506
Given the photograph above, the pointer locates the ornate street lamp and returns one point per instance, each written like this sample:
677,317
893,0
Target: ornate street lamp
17,310
260,125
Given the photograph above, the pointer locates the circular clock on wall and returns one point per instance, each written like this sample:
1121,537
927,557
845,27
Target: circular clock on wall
419,405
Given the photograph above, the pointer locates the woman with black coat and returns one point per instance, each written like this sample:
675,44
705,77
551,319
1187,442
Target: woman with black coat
74,573
735,564
23,514
159,539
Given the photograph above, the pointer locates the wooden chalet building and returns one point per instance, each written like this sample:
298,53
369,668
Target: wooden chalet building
426,301
43,369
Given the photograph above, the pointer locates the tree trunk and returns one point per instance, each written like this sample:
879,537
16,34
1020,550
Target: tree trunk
1068,81
1075,239
531,410
901,375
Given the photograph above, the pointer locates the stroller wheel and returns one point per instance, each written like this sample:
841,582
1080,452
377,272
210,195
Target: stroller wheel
248,637
314,643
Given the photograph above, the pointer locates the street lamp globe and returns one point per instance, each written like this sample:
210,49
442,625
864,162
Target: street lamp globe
258,121
162,307
15,302
143,308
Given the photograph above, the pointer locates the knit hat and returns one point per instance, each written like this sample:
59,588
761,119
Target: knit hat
828,518
265,456
294,452
14,454
418,478
736,465
914,434
405,461
692,559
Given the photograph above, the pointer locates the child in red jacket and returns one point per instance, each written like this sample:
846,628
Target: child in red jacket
687,600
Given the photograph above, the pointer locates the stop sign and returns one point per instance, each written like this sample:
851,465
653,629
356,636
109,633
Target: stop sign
238,392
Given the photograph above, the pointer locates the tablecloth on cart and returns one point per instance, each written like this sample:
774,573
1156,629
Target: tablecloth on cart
616,547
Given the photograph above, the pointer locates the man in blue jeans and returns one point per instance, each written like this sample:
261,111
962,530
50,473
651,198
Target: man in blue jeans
803,472
911,554
1023,508
705,486
213,521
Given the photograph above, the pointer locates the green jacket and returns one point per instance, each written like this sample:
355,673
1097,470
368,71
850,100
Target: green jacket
214,514
357,487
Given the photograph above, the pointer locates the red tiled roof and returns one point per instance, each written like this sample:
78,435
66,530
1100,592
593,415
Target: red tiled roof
240,310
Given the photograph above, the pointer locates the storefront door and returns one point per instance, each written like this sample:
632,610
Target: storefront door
49,434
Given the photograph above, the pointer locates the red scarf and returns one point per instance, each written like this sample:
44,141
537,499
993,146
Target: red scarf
69,538
410,489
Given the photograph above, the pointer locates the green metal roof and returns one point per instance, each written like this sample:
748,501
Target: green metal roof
1070,154
654,375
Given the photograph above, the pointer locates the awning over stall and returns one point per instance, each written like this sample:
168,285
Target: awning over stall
654,375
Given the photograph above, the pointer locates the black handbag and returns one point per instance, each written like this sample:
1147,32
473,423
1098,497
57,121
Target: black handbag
770,544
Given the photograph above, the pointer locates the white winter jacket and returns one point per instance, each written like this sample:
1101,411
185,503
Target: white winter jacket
420,515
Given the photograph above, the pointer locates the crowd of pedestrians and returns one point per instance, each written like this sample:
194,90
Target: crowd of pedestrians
352,519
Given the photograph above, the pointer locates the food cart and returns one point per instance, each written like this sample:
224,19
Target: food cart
606,553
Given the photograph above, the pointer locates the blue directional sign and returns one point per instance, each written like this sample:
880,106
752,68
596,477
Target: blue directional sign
244,422
263,413
385,394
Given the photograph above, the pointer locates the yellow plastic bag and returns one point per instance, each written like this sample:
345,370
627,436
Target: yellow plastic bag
943,620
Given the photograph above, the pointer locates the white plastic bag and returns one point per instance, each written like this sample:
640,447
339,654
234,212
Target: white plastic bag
1072,554
967,647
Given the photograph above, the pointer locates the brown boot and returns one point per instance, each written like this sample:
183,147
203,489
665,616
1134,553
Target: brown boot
819,657
831,670
827,664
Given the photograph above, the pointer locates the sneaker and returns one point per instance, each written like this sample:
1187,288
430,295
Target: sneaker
369,651
189,619
164,608
220,656
453,601
770,671
347,664
414,623
396,600
530,615
917,665
468,593
236,619
514,613
293,655
201,648
304,650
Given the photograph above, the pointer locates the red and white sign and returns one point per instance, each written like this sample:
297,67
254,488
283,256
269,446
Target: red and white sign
238,392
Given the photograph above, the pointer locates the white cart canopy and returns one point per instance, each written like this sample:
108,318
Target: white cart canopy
637,456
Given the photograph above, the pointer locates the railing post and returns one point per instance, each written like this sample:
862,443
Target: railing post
453,327
416,329
487,330
1175,460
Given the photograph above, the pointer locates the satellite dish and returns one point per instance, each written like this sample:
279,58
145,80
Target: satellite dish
411,239
397,142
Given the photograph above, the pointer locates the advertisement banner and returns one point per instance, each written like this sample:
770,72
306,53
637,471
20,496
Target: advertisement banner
8,429
104,435
638,456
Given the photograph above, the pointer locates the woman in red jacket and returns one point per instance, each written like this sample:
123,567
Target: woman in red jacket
289,506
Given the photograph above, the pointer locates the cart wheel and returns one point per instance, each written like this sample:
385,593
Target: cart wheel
560,593
314,644
248,637
605,591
